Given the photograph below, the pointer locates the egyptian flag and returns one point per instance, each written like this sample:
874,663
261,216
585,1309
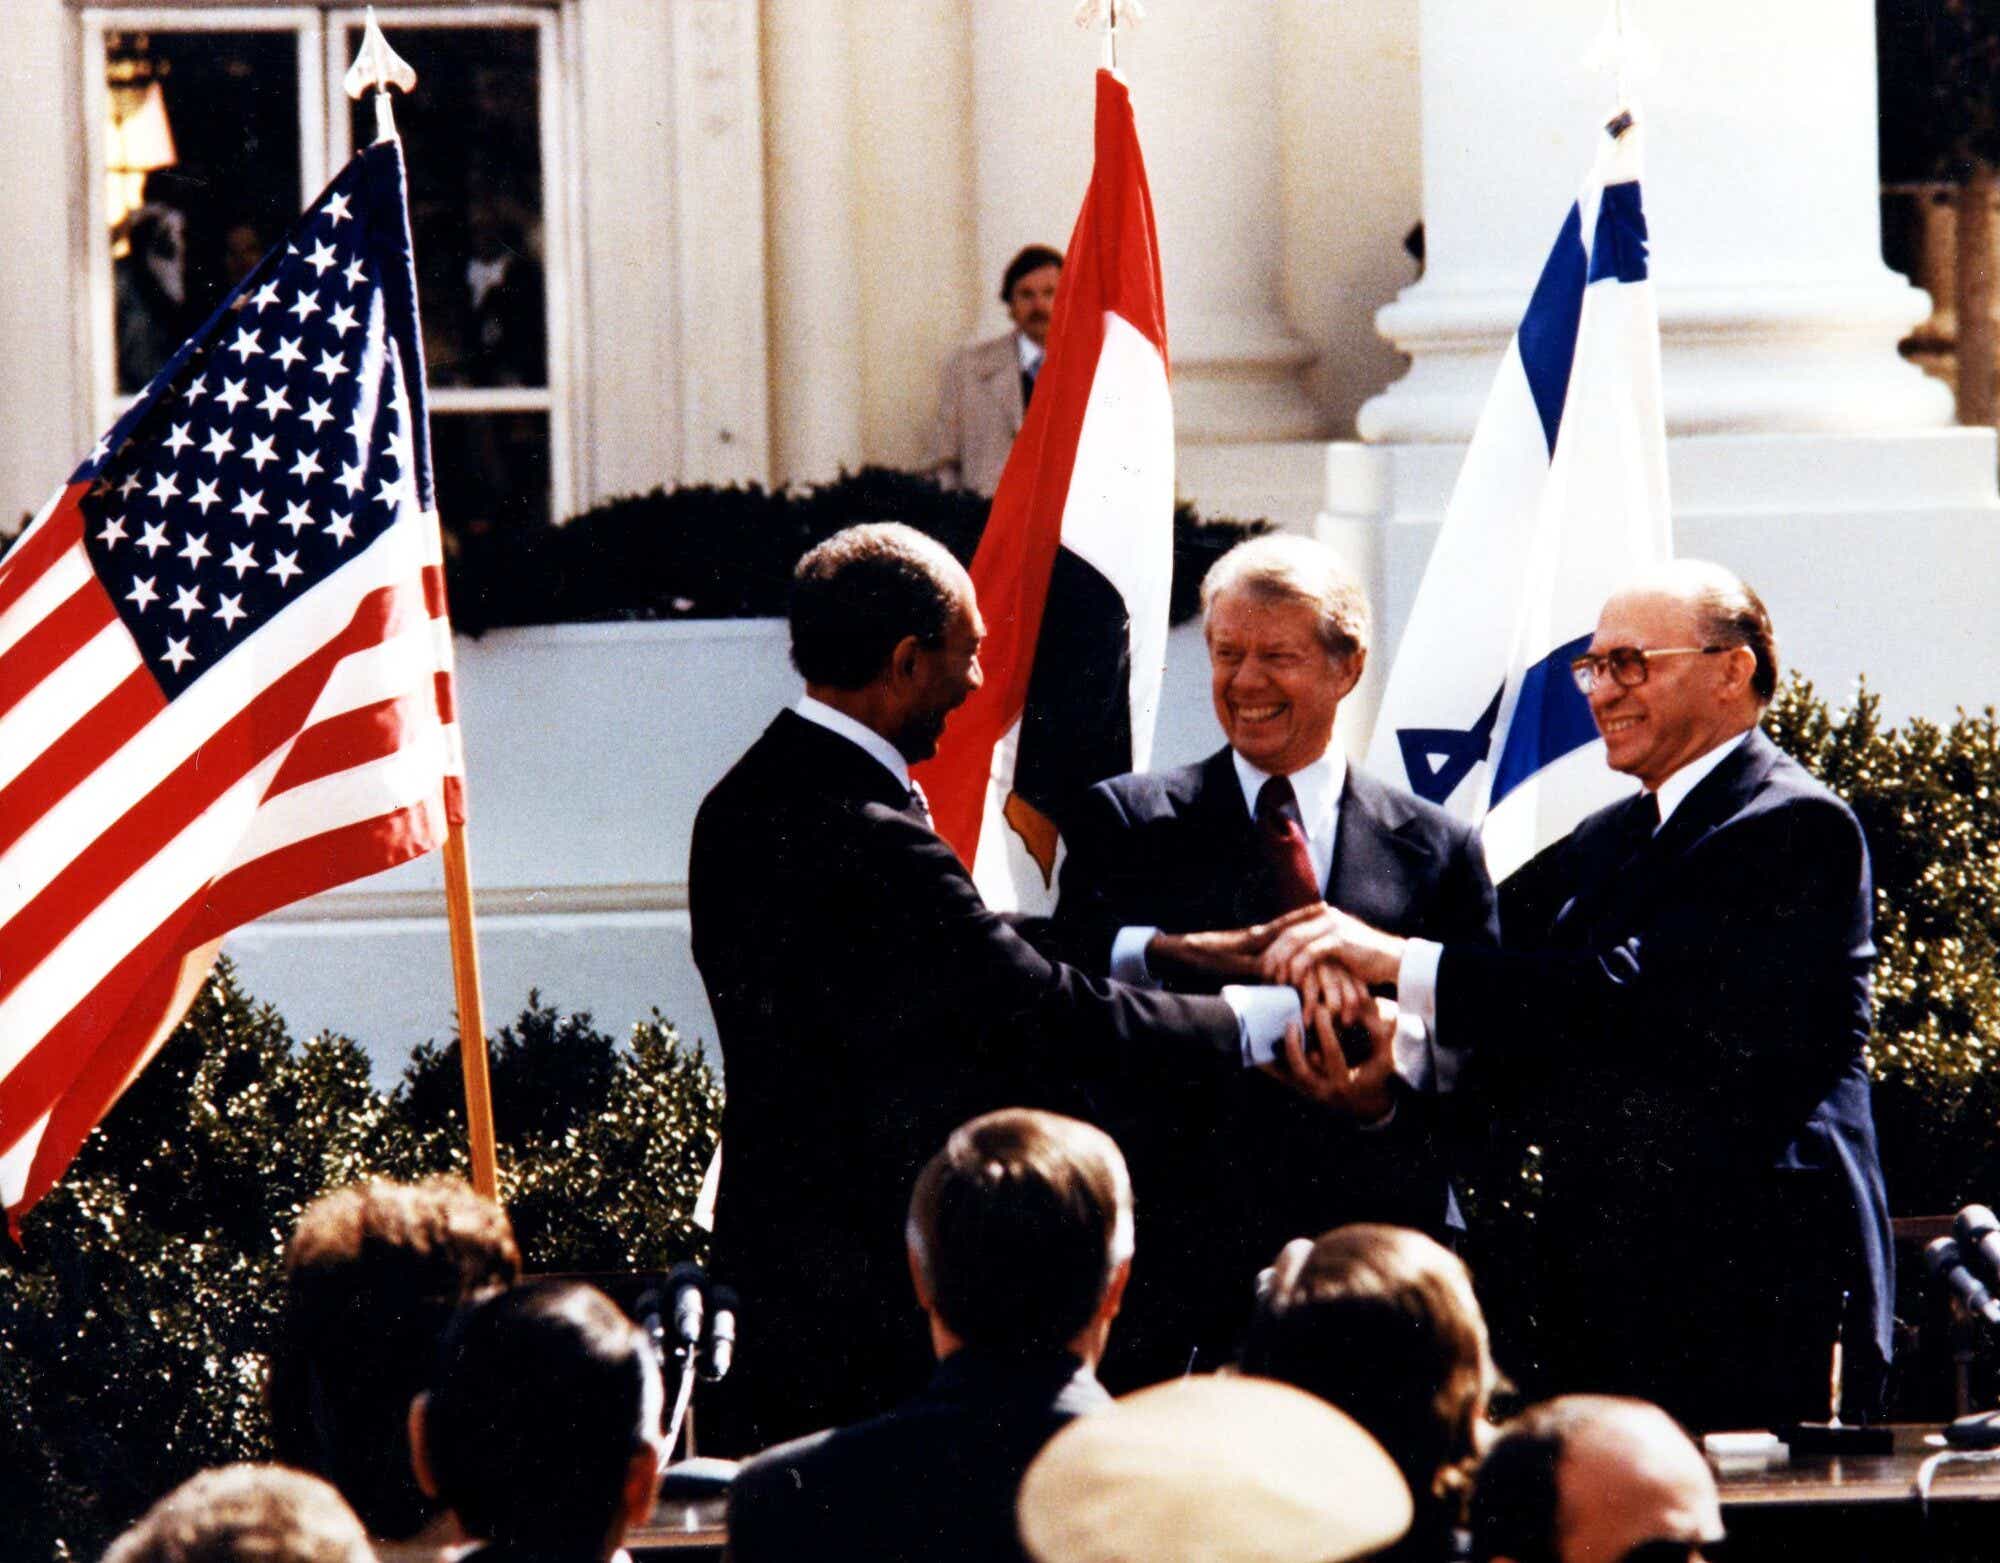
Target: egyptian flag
1075,566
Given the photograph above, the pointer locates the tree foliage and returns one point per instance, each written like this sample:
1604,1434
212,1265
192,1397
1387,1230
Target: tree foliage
133,1321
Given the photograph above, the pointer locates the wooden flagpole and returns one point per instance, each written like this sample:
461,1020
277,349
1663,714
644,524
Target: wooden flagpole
377,69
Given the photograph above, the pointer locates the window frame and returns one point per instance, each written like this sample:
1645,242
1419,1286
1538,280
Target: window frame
324,145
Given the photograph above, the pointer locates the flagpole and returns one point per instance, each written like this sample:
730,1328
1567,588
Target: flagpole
378,69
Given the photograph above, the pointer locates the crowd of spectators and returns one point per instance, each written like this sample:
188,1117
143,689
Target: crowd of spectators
430,1403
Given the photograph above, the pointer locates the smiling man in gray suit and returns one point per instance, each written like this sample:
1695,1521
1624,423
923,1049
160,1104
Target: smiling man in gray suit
1231,1166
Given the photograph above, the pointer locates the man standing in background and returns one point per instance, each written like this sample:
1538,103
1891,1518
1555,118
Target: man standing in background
987,385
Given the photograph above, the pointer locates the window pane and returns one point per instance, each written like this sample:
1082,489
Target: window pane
202,175
492,473
473,132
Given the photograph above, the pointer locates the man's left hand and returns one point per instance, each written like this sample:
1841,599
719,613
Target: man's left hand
1363,1093
1331,935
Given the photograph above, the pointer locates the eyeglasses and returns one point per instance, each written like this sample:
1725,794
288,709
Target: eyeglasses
1627,665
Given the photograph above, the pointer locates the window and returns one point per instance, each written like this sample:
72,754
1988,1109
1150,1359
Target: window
211,128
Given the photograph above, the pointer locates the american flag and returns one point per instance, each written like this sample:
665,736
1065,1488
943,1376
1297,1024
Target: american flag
225,666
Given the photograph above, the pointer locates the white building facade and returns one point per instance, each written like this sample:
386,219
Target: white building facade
681,241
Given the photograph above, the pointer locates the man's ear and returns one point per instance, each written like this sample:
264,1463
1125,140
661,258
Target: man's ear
1352,667
903,659
1114,1294
642,1485
420,1453
1739,667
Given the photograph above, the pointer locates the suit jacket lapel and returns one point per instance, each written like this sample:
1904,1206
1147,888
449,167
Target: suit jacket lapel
1371,856
1224,820
1619,884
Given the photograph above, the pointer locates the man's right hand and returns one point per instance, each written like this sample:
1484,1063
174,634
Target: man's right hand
1229,954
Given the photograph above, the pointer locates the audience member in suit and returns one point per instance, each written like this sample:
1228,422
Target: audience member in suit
1275,821
246,1514
541,1427
1678,1023
1020,1242
1590,1477
866,999
1382,1322
987,385
373,1274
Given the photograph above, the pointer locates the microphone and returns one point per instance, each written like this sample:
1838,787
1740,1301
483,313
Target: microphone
1943,1259
1978,1232
685,1286
721,1352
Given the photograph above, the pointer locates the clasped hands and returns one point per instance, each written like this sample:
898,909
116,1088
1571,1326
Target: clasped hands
1332,959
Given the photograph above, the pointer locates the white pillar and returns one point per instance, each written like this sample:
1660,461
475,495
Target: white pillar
815,313
1802,450
1776,311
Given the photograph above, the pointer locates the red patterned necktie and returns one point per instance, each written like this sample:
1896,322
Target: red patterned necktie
1284,843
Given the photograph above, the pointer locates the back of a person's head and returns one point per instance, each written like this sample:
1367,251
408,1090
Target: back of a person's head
1212,1468
860,592
1517,1499
246,1514
1382,1322
543,1397
1019,1226
373,1275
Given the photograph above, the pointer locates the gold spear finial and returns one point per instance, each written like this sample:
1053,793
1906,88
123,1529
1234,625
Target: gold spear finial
377,69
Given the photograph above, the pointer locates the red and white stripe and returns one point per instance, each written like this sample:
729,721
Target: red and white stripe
135,833
1092,470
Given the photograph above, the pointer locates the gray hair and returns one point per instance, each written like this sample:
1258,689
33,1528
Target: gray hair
1284,567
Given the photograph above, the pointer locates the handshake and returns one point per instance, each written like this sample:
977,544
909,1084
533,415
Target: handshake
1342,1056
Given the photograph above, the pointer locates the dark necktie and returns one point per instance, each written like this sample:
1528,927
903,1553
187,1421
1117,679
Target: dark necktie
1284,842
1028,386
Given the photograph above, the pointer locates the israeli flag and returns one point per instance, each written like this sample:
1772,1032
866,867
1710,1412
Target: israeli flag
1563,496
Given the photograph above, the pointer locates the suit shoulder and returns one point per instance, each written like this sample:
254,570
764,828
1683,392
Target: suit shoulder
1403,809
1139,794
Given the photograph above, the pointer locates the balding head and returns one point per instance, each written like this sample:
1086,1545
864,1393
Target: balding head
1698,643
1593,1479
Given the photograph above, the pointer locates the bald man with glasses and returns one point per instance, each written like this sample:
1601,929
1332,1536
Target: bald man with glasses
1676,1020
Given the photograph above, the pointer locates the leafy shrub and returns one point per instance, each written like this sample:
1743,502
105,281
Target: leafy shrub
727,552
1928,798
133,1322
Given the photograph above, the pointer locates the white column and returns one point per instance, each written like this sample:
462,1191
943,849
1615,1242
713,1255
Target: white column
1777,312
1205,85
718,194
815,313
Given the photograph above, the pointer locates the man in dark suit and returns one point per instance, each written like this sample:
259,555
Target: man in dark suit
1231,1166
1678,1020
865,997
1020,1242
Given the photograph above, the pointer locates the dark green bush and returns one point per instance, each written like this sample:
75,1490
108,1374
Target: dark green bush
133,1321
704,552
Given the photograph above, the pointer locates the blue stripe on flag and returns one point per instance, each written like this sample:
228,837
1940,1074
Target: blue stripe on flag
1548,331
1618,248
1551,719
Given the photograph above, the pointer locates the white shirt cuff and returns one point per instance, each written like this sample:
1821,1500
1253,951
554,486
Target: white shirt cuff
1417,978
1262,1015
1416,1060
1128,957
